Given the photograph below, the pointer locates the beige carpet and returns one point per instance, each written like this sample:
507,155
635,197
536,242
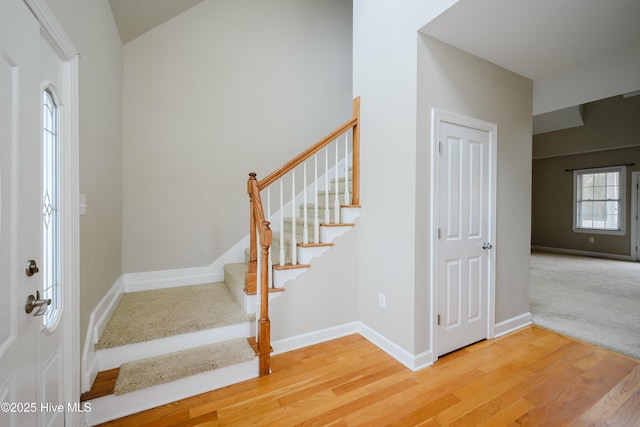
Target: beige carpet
592,299
149,315
173,366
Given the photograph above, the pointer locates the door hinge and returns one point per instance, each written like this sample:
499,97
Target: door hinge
439,233
438,320
440,147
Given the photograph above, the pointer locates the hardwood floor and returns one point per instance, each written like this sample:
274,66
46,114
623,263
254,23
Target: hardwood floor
531,377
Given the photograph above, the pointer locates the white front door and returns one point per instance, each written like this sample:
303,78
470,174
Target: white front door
30,353
464,235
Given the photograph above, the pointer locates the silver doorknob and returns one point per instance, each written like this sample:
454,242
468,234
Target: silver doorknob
487,245
31,268
35,302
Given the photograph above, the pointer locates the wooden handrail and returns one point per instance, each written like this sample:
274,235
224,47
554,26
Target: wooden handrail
351,123
260,227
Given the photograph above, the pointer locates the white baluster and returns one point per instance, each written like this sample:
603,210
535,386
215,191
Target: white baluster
282,262
305,228
336,201
347,196
327,215
294,243
270,262
316,221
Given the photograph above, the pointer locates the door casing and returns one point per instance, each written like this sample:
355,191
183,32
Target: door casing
635,215
437,118
52,31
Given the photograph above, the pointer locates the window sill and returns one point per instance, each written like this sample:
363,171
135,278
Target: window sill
599,231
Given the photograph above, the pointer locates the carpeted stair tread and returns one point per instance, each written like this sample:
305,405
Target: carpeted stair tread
234,274
148,315
174,366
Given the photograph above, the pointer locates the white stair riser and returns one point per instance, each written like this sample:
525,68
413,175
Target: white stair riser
112,407
114,357
349,215
280,277
328,234
306,254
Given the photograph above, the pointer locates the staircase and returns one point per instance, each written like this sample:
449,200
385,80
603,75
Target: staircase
206,355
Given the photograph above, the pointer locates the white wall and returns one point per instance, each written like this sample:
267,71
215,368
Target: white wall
227,88
455,81
385,34
399,80
325,296
93,32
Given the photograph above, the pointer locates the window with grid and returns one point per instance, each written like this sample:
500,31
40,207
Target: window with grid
599,200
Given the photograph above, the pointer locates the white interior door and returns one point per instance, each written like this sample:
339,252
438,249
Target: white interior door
30,375
464,230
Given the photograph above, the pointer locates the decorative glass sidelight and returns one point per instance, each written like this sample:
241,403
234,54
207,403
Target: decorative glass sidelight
50,200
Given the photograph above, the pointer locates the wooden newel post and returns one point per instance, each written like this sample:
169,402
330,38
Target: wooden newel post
250,276
355,197
264,337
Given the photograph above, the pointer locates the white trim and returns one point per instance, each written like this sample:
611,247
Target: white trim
583,253
635,219
315,337
114,357
70,220
214,272
513,324
438,117
98,320
411,361
111,407
622,177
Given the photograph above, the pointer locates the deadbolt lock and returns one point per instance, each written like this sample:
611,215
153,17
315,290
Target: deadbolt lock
31,268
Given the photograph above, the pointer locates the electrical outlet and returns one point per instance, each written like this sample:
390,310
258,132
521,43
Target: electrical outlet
592,239
382,301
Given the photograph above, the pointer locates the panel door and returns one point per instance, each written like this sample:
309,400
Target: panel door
464,209
29,376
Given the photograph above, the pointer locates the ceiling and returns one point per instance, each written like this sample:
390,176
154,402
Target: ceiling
136,17
541,37
572,41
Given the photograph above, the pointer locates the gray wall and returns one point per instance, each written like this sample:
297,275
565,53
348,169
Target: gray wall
227,88
93,32
455,81
610,125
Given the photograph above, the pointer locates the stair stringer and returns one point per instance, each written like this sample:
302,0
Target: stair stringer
328,234
324,296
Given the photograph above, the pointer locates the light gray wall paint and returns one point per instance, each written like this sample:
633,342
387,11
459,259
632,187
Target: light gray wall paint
93,32
609,124
385,76
323,297
224,89
455,81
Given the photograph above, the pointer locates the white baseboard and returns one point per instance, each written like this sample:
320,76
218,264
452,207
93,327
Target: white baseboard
98,320
583,253
214,272
513,324
411,361
315,337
